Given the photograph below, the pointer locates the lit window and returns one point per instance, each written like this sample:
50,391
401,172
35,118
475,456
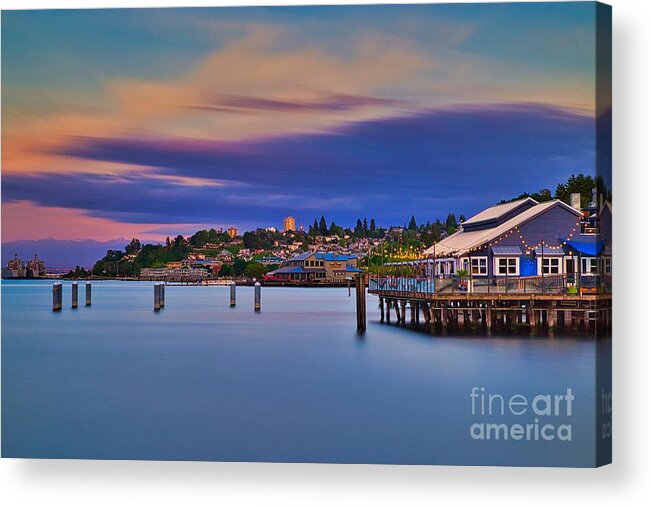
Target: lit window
551,266
507,266
479,265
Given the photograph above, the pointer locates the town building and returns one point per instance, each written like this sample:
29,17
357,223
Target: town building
523,238
17,268
316,267
289,224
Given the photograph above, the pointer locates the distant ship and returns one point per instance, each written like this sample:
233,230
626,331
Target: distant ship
17,268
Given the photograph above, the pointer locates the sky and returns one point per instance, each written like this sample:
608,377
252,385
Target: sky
154,122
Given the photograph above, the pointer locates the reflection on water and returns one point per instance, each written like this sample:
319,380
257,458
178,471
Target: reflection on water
202,381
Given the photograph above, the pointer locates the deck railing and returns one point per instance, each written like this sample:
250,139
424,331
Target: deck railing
547,284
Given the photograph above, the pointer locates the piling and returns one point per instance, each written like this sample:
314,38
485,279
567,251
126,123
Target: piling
88,294
57,296
75,294
233,294
257,291
156,296
360,296
162,294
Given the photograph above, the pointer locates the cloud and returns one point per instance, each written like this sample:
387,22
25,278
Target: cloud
453,159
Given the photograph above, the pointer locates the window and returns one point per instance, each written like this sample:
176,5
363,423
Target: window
589,265
507,266
479,265
608,265
551,266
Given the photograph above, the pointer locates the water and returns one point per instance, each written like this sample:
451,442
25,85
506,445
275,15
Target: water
294,382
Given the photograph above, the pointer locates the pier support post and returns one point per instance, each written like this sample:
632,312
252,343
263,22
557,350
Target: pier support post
57,296
257,296
412,309
400,315
162,294
156,296
233,294
75,294
488,317
551,317
88,293
381,309
388,303
360,296
426,315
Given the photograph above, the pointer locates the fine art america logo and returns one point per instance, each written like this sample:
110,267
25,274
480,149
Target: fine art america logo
538,417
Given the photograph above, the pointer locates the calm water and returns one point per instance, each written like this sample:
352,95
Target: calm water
202,381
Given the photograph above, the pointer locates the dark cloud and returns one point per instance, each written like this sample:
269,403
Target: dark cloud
340,102
457,159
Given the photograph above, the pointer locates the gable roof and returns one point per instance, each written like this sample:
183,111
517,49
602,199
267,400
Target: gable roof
497,211
462,241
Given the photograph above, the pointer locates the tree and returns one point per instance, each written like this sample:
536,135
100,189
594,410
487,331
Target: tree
365,227
373,225
323,227
133,247
315,227
451,223
359,229
238,267
336,230
582,184
255,270
412,224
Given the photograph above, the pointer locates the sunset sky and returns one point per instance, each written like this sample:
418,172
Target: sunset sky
148,123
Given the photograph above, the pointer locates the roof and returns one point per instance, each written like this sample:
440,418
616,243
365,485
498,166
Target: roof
495,212
288,270
506,250
325,256
462,241
549,251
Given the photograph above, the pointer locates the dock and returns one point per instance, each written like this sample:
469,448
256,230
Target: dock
528,306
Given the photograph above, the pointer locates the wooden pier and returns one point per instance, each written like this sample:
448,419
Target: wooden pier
527,313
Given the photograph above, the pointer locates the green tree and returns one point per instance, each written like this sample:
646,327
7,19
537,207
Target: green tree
133,247
323,227
412,224
255,270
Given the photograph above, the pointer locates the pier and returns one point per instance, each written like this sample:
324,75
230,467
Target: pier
528,306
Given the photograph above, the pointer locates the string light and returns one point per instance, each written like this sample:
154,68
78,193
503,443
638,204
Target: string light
528,247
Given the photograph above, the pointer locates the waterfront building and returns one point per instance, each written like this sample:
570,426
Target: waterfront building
317,267
289,224
232,232
523,238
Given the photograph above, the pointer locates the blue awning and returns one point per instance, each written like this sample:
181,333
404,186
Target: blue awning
591,248
507,250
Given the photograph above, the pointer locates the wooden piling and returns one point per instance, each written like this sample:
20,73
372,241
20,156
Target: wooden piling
360,297
75,294
156,296
233,294
162,294
381,309
257,296
57,296
388,303
88,294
